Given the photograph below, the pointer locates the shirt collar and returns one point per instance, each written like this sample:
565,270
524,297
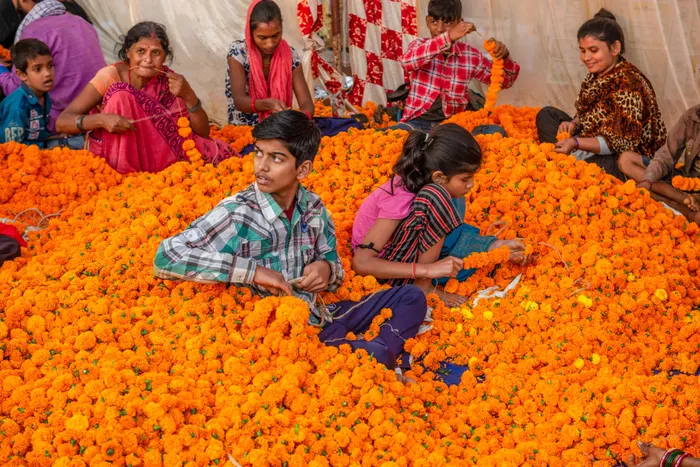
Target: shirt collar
269,207
30,94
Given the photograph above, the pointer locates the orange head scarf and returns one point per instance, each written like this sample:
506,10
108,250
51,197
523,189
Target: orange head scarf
279,85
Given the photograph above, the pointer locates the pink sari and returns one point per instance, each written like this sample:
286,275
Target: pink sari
156,143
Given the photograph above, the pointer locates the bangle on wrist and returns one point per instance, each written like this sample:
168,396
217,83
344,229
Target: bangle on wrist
576,143
669,457
679,461
252,105
413,273
196,107
79,123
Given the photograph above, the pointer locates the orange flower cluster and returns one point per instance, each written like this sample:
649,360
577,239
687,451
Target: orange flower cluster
563,135
237,137
102,363
47,183
686,183
496,77
5,54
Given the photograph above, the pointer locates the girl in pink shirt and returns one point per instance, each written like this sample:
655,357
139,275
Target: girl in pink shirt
411,228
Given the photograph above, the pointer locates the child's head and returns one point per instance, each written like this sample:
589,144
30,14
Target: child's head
34,63
286,143
601,42
265,24
442,15
448,155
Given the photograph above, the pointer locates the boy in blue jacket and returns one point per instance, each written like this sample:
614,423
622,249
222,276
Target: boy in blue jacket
24,114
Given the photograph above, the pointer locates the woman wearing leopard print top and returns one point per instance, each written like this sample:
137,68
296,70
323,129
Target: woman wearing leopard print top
616,109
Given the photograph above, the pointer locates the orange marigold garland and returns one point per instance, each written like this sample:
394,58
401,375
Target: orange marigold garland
189,146
487,259
5,54
563,135
686,183
496,77
377,323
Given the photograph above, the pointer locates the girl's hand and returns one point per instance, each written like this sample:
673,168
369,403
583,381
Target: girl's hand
566,146
501,52
517,251
180,87
567,127
446,267
114,123
653,456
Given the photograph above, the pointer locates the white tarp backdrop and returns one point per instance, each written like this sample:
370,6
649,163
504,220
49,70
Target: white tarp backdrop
663,40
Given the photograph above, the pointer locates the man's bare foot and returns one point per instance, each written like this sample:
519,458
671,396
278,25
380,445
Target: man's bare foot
693,202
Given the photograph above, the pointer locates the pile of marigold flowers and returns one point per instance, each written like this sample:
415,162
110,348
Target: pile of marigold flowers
103,364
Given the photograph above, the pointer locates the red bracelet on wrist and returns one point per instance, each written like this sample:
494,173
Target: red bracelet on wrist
252,105
413,273
308,114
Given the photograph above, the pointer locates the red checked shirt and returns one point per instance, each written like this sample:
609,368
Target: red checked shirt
433,74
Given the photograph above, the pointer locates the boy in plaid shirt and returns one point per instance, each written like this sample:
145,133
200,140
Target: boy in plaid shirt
276,231
440,68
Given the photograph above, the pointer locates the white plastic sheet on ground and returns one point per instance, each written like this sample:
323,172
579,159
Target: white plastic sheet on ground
663,41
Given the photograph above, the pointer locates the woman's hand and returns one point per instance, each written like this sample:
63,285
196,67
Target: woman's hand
270,105
501,52
566,146
567,127
446,267
114,123
653,456
181,88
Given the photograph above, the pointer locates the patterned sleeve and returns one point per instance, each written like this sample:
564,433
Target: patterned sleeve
205,252
422,51
239,52
295,58
437,215
326,250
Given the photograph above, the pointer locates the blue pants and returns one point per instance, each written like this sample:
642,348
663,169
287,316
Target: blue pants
408,307
425,125
71,142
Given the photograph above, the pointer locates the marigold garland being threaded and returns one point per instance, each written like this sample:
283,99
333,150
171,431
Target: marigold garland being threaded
497,74
561,136
686,183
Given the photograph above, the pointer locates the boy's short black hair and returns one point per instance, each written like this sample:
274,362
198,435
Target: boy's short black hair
299,133
445,10
25,50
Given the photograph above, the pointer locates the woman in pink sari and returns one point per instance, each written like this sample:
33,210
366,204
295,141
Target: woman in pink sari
131,108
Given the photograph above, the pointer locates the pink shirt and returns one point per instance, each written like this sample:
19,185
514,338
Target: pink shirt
389,201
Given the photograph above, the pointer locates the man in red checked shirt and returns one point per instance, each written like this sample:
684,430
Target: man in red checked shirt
440,69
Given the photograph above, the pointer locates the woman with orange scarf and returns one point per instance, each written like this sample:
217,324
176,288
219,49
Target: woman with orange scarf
264,74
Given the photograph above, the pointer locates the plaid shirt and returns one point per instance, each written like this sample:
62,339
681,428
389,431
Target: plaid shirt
434,75
250,229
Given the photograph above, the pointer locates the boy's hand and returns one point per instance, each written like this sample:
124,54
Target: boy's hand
316,277
501,51
460,30
272,281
